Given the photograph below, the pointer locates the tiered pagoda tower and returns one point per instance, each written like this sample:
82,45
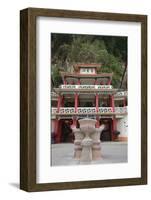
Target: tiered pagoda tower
88,93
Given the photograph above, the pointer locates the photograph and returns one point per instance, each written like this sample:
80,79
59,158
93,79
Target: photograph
89,99
83,92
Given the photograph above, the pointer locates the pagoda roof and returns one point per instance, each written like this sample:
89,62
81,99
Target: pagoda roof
86,91
78,75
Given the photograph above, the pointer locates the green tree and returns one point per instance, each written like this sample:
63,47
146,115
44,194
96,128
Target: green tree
55,75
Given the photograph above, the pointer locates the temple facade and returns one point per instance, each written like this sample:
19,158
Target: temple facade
88,93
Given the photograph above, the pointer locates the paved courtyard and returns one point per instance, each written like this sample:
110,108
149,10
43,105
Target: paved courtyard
112,152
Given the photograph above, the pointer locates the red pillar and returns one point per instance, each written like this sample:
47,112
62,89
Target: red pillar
98,122
97,110
62,102
74,122
112,102
76,102
114,119
59,103
97,102
65,82
57,132
79,82
76,109
114,127
109,82
114,124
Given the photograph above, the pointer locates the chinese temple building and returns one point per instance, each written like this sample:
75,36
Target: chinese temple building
87,92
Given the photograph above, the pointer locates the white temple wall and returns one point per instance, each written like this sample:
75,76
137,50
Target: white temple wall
122,126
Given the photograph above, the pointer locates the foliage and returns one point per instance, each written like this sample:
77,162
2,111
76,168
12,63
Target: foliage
55,74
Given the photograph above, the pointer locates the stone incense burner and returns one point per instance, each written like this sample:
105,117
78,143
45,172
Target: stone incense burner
87,144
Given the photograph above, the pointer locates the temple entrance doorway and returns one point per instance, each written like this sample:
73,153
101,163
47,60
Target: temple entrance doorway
66,131
106,134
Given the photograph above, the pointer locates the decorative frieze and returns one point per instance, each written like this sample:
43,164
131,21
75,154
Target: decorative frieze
67,110
89,110
68,86
101,87
121,110
53,110
104,87
86,110
105,110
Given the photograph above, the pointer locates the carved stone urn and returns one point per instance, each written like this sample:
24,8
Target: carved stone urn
87,145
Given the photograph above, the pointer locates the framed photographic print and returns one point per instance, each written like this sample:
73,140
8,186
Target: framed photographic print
83,99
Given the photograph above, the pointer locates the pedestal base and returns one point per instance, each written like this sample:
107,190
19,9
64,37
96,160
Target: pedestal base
86,154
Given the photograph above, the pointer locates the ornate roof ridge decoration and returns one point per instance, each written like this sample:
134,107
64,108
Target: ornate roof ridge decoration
78,65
